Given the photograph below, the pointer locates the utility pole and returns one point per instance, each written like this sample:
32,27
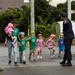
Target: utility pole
32,16
69,9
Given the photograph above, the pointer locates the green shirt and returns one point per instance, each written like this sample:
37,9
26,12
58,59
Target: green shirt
32,42
23,44
15,33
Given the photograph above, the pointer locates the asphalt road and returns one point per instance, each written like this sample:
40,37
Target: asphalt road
46,66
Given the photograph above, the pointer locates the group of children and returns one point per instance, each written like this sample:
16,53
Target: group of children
34,43
39,42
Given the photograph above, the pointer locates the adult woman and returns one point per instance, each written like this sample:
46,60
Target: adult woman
68,37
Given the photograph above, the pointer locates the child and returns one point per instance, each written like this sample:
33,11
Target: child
50,43
22,47
61,45
32,42
40,43
8,30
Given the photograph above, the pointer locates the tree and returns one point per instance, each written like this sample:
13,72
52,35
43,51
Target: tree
43,9
22,16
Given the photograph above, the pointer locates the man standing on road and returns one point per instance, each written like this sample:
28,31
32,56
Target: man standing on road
15,34
68,37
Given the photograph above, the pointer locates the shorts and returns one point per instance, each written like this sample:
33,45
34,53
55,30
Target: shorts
32,50
39,48
61,49
50,47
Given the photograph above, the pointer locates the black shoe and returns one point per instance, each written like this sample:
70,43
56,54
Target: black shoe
69,64
62,62
24,62
9,62
16,64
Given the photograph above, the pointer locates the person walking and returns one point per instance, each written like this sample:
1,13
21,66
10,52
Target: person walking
32,42
68,37
22,47
40,43
9,42
60,42
51,44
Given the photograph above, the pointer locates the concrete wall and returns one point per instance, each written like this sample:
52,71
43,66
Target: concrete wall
61,27
5,4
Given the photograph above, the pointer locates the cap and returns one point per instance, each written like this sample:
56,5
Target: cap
10,25
39,34
63,14
52,35
22,33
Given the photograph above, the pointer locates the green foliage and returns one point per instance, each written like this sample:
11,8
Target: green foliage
46,17
45,30
46,11
22,16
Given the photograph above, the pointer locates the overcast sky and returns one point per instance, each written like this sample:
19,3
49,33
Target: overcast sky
55,2
26,1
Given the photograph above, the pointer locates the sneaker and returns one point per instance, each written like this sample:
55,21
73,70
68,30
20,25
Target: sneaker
13,44
51,56
38,57
9,62
1,69
16,64
24,62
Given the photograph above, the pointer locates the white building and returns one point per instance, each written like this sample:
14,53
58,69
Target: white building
60,27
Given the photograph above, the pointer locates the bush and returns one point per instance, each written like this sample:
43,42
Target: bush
45,30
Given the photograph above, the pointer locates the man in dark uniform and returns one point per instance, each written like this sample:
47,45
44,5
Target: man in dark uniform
68,37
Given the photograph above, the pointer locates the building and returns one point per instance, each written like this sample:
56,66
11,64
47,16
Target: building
59,28
6,4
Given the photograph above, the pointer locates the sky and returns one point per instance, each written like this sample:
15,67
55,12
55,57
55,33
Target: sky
55,2
26,1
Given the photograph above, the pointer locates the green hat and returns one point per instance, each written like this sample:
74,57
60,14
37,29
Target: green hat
32,32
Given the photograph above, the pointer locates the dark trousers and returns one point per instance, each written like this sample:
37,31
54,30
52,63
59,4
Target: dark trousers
67,55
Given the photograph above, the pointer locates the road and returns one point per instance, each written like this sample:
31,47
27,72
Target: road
46,66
